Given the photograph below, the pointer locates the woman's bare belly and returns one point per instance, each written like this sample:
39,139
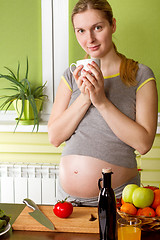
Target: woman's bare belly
79,175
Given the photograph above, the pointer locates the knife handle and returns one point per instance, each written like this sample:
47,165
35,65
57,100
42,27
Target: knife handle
30,203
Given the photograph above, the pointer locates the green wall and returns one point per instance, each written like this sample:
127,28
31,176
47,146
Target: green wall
137,35
20,27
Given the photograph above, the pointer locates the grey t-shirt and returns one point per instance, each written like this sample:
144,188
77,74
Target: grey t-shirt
93,137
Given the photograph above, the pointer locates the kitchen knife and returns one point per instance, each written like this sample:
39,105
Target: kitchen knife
38,215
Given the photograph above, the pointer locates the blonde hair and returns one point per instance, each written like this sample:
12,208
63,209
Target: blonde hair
128,67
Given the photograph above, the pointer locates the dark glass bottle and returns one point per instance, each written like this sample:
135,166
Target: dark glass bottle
107,207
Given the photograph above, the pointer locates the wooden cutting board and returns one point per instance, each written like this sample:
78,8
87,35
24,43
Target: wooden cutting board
78,221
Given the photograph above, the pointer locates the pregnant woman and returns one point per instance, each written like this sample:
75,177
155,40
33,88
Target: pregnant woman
104,114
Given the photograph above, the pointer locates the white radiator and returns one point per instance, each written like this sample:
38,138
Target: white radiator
35,181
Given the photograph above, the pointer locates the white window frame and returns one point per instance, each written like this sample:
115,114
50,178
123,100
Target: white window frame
55,35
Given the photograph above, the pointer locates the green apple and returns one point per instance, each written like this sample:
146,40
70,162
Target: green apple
143,197
128,192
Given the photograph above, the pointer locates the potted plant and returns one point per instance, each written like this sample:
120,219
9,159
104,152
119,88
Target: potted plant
27,100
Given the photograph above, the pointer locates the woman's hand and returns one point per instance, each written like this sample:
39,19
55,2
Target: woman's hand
94,82
80,83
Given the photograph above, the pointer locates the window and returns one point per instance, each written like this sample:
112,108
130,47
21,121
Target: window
54,19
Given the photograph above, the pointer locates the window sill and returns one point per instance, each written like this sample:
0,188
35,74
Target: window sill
158,125
8,123
9,126
158,129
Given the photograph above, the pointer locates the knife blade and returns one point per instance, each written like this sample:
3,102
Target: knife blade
38,215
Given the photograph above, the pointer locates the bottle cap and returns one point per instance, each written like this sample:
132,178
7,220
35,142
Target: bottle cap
106,170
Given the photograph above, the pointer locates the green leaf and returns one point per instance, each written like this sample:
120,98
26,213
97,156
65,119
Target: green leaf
8,106
22,109
8,101
12,80
35,112
27,69
10,89
1,213
10,97
18,71
11,72
3,223
38,92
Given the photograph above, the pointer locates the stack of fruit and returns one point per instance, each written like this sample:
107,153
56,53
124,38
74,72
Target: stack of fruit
142,202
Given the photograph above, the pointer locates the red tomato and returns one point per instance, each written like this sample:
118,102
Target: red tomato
63,209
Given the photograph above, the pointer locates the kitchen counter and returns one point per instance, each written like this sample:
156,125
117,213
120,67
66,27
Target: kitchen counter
15,209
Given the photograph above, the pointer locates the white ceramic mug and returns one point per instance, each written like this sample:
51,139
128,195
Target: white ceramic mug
84,62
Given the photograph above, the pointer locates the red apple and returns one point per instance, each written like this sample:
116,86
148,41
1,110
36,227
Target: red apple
151,187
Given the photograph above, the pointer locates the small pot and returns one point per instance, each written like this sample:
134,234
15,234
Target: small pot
28,111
